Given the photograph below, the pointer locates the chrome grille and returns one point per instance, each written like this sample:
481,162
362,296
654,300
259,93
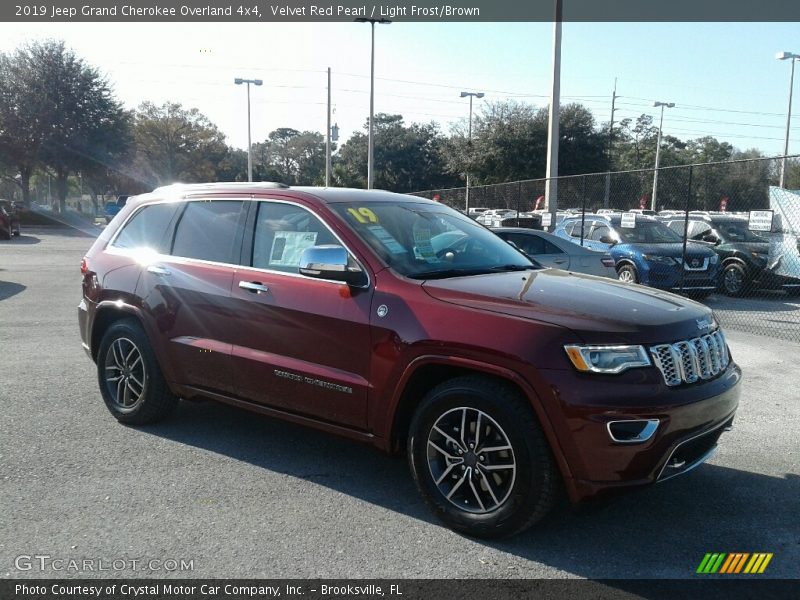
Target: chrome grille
688,361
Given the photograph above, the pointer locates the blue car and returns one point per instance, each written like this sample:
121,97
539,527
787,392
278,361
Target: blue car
646,251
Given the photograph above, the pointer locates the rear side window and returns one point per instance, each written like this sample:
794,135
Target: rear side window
207,230
147,228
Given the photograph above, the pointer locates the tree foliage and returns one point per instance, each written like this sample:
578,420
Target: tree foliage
405,156
175,144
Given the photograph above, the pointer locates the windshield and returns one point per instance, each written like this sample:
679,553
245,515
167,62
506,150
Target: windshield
647,232
738,232
425,241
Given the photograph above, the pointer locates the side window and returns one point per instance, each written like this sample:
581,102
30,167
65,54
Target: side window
550,248
677,227
697,229
529,244
576,231
147,227
207,230
282,232
599,232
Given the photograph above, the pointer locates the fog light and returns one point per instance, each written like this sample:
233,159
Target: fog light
632,432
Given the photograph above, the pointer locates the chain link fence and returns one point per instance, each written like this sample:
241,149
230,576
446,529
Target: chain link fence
726,225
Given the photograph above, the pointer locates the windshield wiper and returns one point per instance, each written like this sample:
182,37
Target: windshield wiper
445,273
513,268
465,272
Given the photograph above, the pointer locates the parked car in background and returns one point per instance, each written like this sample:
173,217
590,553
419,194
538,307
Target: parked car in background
649,253
112,208
552,251
743,253
643,211
608,211
528,220
9,219
488,217
476,211
346,310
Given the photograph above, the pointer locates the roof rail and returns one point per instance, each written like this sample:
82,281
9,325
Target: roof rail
203,186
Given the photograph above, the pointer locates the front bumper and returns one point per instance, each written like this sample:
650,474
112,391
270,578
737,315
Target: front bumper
691,417
668,277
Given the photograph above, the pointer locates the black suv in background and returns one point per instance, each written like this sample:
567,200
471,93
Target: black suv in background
9,219
743,252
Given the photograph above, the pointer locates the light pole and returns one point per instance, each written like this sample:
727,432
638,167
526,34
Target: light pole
240,81
370,169
663,105
793,58
471,95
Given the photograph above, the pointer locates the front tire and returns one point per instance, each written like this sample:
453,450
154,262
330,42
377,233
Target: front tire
480,459
131,382
734,280
627,274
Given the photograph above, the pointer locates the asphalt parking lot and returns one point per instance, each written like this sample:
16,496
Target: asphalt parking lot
246,496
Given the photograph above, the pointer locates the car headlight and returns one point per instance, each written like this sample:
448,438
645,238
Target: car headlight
715,259
607,359
664,260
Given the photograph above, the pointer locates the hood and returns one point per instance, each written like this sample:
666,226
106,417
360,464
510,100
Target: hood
597,309
674,250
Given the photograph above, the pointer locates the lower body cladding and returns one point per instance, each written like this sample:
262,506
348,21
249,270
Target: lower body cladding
631,430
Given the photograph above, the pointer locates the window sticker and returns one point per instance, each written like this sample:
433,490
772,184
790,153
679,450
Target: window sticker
287,246
423,249
628,220
363,215
387,239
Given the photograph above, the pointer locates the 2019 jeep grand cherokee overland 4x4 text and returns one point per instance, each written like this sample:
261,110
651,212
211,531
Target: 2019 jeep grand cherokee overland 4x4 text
402,323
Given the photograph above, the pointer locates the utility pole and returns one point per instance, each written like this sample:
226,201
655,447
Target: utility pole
328,136
551,183
610,136
469,140
663,105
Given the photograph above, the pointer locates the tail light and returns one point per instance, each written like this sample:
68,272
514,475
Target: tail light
84,266
607,261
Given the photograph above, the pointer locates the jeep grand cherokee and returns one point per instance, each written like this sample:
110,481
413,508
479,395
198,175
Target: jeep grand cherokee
368,315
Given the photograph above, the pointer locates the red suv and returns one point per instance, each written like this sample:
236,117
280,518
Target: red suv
404,324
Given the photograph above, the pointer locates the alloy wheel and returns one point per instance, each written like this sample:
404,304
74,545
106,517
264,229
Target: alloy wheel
125,375
471,460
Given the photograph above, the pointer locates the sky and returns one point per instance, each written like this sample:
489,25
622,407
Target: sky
723,77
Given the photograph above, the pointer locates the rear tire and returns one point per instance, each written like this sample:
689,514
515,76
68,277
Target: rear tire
131,382
487,497
627,274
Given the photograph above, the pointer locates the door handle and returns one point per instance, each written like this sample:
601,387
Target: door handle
253,286
156,270
560,261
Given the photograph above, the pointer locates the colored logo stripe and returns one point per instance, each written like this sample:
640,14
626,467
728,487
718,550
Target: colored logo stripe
724,563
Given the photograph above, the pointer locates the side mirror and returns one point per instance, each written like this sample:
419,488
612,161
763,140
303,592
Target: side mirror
331,262
607,239
711,238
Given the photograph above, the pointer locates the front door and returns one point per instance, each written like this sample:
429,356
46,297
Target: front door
299,344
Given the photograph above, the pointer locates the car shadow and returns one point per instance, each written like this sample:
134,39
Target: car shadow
767,302
22,239
9,289
661,531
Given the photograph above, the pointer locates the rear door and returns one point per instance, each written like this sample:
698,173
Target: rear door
299,344
186,291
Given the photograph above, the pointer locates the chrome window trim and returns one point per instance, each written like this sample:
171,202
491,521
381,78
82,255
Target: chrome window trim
166,258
